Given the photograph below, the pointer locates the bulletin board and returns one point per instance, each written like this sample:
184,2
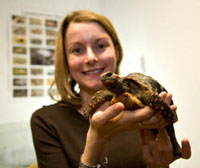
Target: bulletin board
32,49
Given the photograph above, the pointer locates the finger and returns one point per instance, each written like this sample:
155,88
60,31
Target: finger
147,155
145,150
168,98
164,137
156,121
165,145
111,112
163,94
141,136
186,149
128,117
173,107
144,113
164,140
150,140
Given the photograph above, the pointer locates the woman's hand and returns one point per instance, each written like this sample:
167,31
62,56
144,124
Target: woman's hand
158,151
113,119
104,124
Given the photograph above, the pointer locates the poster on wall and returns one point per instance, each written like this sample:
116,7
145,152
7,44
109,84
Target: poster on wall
32,49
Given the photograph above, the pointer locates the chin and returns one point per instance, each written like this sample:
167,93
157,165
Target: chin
91,86
95,87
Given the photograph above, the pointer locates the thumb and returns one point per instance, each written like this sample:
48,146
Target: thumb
111,112
186,149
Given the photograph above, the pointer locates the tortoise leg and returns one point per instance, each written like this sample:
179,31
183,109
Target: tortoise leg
96,101
129,100
158,104
175,145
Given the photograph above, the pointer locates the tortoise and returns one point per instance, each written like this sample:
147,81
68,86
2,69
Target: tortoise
135,91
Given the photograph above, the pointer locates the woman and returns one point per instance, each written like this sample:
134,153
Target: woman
87,46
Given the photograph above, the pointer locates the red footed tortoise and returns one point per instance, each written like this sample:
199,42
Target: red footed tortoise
135,91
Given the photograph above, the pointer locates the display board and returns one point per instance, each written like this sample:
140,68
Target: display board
32,48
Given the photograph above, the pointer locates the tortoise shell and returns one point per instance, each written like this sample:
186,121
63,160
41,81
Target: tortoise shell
135,91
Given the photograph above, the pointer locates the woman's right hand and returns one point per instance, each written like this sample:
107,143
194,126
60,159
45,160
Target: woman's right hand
115,119
104,124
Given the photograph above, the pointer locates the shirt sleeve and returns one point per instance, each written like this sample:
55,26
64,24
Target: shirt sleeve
49,151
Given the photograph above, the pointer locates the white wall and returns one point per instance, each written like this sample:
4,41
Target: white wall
167,34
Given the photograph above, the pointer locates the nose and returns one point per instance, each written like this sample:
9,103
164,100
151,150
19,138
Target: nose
90,56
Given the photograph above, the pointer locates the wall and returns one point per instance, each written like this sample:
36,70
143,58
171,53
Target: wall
167,34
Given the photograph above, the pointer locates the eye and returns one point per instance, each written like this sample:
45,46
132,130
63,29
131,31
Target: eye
101,46
77,50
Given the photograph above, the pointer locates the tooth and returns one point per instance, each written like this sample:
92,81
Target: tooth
93,72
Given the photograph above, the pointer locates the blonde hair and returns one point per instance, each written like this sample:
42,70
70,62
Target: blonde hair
63,80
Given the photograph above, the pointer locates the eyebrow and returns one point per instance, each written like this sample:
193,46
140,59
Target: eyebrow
103,38
96,40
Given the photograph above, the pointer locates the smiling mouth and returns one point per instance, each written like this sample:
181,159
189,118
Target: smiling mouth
95,71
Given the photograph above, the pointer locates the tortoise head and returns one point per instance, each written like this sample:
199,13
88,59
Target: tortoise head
112,82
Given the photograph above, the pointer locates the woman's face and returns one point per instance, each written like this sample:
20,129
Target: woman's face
90,52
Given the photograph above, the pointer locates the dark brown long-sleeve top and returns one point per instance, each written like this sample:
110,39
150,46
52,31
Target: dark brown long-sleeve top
59,135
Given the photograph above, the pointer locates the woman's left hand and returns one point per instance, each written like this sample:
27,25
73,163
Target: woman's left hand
158,150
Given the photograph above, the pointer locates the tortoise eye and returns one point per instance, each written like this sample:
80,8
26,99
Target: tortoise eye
109,74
